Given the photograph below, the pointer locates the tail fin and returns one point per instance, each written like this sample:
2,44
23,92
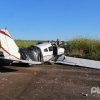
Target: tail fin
8,45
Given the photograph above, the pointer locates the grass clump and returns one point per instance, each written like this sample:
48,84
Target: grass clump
83,48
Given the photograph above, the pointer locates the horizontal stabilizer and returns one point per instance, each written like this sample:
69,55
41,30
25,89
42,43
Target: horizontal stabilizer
22,61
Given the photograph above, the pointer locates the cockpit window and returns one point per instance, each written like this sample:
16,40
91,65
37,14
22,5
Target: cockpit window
50,48
45,50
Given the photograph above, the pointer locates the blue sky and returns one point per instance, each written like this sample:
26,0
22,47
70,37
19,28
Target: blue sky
50,19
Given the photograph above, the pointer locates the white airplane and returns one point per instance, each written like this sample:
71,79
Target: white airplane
37,54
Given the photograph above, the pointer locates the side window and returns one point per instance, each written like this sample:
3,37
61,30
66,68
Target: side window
45,50
50,48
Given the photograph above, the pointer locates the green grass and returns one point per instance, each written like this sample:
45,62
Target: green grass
25,43
83,48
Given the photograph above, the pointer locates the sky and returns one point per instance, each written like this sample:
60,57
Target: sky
50,19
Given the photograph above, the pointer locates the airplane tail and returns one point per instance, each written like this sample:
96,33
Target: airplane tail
8,45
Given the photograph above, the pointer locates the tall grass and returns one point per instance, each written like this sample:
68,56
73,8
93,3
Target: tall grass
25,43
83,48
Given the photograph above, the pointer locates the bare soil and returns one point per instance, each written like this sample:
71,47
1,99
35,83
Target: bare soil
48,82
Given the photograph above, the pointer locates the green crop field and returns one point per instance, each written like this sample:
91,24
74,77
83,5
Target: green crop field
83,48
25,43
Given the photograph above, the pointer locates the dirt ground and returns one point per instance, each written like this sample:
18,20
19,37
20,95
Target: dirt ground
48,82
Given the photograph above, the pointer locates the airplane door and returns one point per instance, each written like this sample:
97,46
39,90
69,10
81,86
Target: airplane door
47,53
55,50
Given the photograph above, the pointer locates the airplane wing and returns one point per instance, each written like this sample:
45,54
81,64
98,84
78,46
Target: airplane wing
30,62
78,62
21,61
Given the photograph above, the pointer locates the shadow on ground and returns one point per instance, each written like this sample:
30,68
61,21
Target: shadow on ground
3,63
19,65
4,69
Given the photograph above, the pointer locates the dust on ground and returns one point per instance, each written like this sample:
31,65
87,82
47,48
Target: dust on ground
48,82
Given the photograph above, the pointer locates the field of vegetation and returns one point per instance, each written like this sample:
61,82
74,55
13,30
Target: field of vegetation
79,47
25,43
84,48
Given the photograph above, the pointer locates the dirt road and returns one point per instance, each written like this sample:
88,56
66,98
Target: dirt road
48,82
